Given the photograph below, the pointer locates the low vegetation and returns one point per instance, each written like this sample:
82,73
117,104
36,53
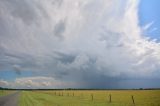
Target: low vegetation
90,98
5,92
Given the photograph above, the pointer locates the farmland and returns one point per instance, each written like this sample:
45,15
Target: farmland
90,98
5,92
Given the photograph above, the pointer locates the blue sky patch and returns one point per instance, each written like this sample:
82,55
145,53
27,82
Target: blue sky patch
149,15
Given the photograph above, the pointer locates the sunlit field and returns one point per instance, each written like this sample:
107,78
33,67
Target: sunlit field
90,98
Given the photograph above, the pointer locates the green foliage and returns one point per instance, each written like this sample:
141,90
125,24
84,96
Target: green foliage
90,98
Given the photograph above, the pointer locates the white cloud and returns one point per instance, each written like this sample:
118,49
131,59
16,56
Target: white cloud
147,26
3,83
35,83
72,38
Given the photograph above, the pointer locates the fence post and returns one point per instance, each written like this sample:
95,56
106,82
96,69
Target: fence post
133,99
92,97
73,93
110,98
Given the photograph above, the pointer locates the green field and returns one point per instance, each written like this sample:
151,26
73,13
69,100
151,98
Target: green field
5,92
90,98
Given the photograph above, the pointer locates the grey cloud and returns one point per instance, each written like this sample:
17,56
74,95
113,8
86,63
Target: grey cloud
3,27
21,9
17,69
57,2
59,29
110,36
65,58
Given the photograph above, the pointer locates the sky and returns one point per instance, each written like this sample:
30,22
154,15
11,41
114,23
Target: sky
148,14
110,44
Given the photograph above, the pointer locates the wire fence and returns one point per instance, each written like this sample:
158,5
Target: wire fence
91,99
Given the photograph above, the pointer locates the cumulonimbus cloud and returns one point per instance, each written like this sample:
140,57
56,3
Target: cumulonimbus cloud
76,40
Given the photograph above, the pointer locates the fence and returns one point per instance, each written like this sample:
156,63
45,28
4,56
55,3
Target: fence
106,99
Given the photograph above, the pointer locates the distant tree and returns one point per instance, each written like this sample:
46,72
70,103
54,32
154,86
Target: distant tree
1,88
140,88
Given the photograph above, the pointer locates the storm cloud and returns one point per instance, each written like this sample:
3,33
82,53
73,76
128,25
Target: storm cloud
96,43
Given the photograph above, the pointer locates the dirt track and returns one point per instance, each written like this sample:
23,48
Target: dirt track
9,100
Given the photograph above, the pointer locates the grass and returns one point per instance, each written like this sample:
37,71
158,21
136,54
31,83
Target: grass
85,98
4,92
